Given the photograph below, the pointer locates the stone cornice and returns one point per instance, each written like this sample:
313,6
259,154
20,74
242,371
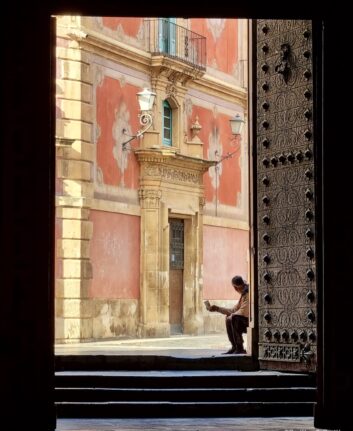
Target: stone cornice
111,49
218,88
169,157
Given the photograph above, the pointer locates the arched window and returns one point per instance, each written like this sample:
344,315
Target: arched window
167,124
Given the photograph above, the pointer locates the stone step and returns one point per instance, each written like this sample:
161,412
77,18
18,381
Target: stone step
95,394
182,379
162,409
182,393
154,362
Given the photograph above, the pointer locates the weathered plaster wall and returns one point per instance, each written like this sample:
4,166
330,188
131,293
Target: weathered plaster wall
218,142
115,288
222,42
130,31
116,109
125,25
225,255
115,255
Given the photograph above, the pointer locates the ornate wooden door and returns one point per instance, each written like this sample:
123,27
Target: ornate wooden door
285,169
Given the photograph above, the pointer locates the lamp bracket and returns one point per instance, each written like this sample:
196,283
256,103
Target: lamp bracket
145,121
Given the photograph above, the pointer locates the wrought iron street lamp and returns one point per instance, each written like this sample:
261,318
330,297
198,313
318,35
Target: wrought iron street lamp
146,100
236,124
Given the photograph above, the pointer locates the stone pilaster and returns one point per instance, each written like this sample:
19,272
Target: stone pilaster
153,320
74,189
193,306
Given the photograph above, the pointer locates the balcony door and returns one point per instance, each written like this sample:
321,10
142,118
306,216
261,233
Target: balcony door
167,35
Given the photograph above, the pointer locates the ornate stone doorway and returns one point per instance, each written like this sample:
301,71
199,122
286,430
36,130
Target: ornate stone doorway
171,187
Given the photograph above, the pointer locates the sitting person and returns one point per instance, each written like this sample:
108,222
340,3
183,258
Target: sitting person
237,318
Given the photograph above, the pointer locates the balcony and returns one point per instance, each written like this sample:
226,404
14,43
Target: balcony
174,41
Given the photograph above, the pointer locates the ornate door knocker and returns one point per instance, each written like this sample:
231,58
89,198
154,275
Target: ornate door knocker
307,354
283,67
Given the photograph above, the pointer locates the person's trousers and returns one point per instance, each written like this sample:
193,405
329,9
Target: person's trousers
236,326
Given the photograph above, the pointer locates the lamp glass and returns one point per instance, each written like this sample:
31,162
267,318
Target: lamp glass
146,99
236,124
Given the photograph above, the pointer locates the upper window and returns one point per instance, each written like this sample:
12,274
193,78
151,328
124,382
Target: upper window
167,124
166,35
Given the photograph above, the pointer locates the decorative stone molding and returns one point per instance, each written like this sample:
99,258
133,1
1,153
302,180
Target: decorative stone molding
77,34
173,167
195,146
173,70
171,90
178,175
172,174
195,130
149,198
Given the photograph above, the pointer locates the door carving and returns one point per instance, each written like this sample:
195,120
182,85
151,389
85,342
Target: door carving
286,261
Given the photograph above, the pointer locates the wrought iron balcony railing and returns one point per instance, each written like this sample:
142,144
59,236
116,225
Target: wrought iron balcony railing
172,40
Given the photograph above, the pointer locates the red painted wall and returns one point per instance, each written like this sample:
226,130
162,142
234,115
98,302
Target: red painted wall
225,254
216,129
115,255
221,43
130,26
117,108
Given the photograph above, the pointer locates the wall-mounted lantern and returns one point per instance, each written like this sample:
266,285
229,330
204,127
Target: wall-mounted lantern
146,100
236,124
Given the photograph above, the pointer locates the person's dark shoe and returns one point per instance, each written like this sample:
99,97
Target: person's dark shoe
239,350
230,351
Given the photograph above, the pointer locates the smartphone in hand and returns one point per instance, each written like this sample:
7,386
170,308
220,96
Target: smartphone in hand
207,305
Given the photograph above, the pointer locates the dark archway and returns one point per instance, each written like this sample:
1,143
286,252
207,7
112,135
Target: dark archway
27,194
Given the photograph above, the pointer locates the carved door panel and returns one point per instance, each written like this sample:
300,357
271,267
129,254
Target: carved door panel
285,196
176,275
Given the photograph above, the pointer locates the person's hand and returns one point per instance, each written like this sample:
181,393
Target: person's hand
207,305
210,307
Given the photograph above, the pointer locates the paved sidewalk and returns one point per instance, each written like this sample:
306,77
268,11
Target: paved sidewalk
179,345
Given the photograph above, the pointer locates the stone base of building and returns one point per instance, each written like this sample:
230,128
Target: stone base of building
158,330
